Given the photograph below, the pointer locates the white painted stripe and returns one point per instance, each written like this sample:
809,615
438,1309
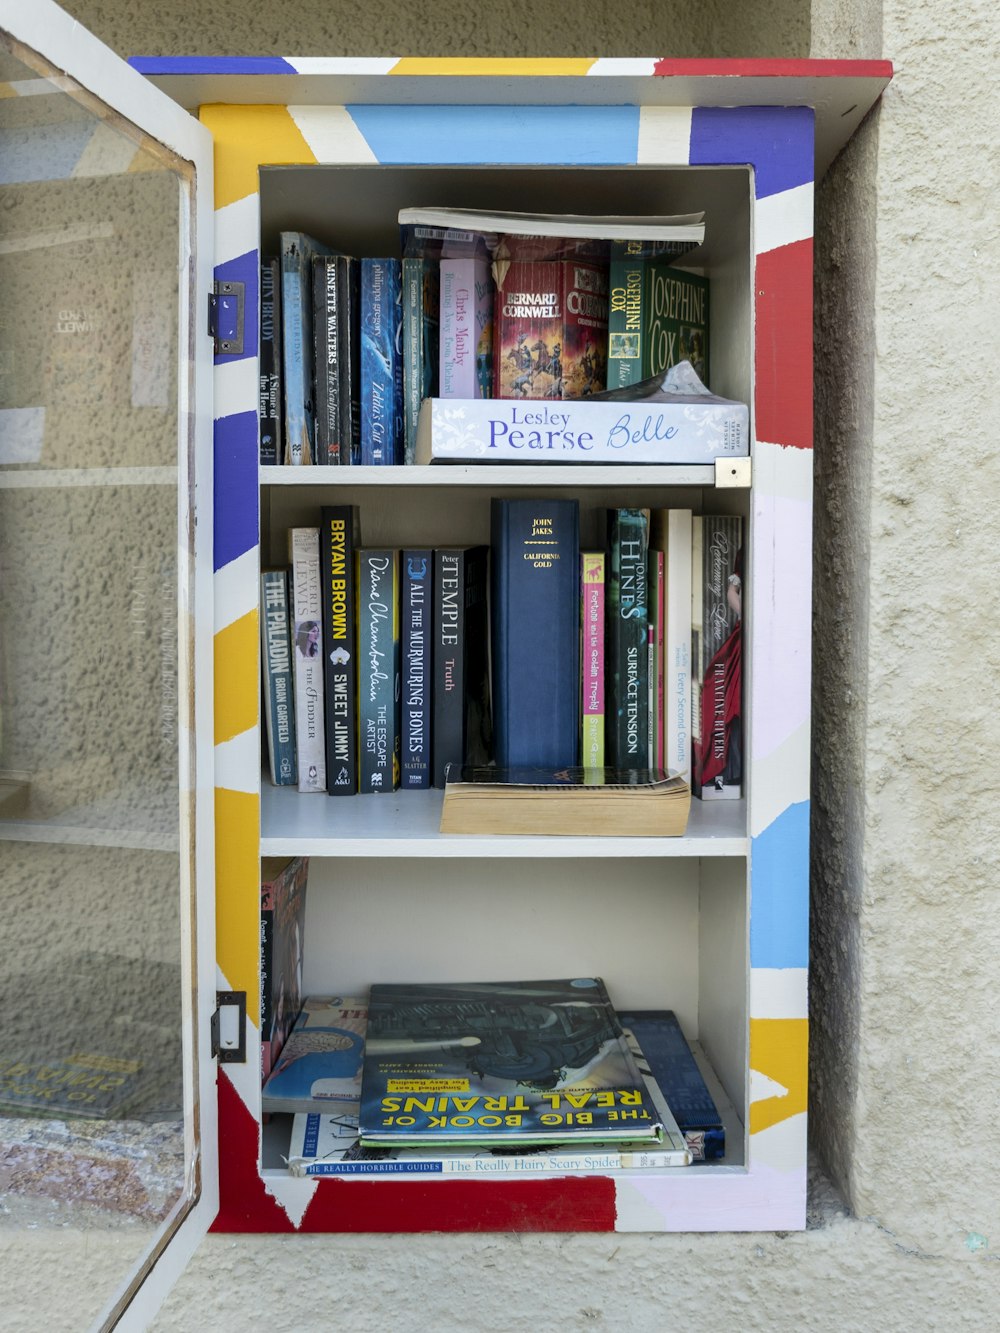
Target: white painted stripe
237,229
780,219
235,589
780,776
664,135
293,1193
237,763
781,470
342,64
779,992
781,1147
332,135
109,152
763,1088
638,67
235,384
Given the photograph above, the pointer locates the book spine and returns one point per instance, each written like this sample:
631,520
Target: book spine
536,632
415,694
350,361
584,354
381,362
269,404
592,659
421,293
678,324
625,311
656,613
718,759
447,714
297,347
266,963
326,335
307,655
677,645
466,332
378,680
337,528
628,638
697,563
276,649
488,1165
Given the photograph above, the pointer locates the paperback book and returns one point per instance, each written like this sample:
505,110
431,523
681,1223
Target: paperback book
338,533
269,405
378,670
592,659
327,356
717,635
381,362
670,532
658,317
297,253
307,657
279,685
664,234
500,1063
282,921
421,324
628,638
320,1065
460,703
415,692
466,330
582,802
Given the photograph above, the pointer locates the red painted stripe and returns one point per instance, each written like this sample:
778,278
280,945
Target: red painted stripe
783,359
244,1204
570,1203
775,69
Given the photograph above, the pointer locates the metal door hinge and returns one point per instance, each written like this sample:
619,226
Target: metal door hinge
225,317
229,1031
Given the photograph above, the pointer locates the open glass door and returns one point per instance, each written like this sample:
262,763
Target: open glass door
107,1098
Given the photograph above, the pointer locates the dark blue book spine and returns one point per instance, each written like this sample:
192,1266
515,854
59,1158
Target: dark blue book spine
536,632
269,405
297,253
676,1071
381,362
421,295
279,698
378,672
628,639
337,528
417,630
326,335
350,360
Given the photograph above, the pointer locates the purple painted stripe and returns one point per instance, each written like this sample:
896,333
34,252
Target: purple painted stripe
245,269
211,65
235,500
776,141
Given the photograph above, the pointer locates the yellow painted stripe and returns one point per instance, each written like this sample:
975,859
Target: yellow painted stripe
237,685
7,91
246,138
237,894
779,1049
479,67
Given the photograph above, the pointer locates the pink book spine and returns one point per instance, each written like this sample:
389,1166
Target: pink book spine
658,649
466,328
592,659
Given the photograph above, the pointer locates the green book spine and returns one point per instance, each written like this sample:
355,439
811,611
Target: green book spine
626,287
676,320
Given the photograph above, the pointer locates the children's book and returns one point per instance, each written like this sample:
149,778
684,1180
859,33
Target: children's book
497,1063
320,1065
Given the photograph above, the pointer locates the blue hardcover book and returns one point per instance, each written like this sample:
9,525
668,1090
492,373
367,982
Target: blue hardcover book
297,253
279,690
671,1063
381,362
378,670
536,632
415,694
421,296
627,620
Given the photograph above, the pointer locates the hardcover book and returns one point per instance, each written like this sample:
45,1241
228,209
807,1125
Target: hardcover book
500,1063
282,922
421,325
670,532
582,802
535,645
551,328
592,659
378,670
269,408
461,724
415,692
320,1065
279,685
381,362
327,354
297,253
307,657
466,332
717,757
338,538
628,638
671,1063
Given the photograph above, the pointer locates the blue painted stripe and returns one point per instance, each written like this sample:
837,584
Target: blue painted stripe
779,909
42,152
245,269
543,135
211,65
776,141
235,499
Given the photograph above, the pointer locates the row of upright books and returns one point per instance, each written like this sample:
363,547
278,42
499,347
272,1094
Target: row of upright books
351,347
383,666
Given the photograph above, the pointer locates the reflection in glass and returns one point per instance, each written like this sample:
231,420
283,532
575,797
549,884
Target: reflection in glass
92,1124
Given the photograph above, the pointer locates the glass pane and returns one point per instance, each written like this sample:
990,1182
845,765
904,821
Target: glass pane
96,1152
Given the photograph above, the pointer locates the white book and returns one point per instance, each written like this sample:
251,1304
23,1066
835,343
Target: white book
672,534
307,657
688,227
